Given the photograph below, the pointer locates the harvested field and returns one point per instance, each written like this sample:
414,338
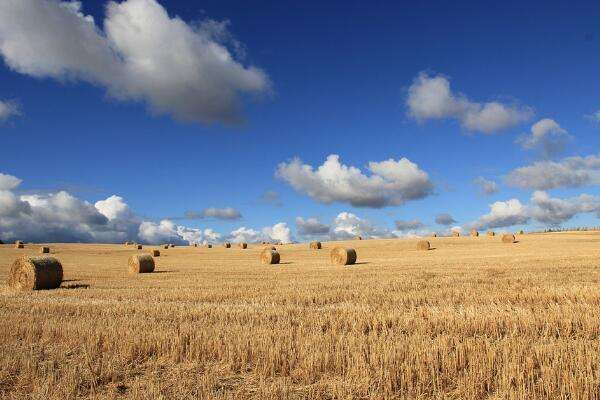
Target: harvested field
471,319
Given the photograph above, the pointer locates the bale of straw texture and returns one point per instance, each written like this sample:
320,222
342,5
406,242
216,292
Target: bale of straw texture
358,238
166,246
19,246
209,246
141,263
195,244
263,242
139,246
44,249
342,256
227,245
423,245
455,233
474,232
491,233
35,273
269,256
156,253
243,245
508,238
315,245
434,234
18,242
521,232
171,245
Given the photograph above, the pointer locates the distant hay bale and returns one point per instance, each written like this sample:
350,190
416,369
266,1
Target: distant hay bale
434,234
521,232
263,242
243,245
195,244
141,263
19,246
156,253
358,238
491,233
269,256
342,256
139,246
423,245
209,246
455,233
166,246
1,242
474,232
227,245
35,273
44,249
508,238
315,245
171,245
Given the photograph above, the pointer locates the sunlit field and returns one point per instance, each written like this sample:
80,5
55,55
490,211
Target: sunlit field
473,318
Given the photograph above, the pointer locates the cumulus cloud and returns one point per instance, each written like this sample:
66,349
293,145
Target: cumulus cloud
8,182
226,213
347,225
141,54
486,186
503,214
430,97
547,136
390,183
555,211
279,232
311,227
163,232
570,172
114,207
8,108
408,225
444,219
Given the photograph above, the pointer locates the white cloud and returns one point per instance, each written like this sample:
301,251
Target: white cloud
143,55
444,219
311,227
226,213
486,186
246,235
193,235
570,172
595,117
8,108
163,232
555,211
279,232
430,97
391,182
113,207
8,182
502,214
347,225
547,136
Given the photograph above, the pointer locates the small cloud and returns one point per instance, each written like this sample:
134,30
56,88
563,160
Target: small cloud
227,213
409,225
271,197
444,219
311,227
594,117
8,109
486,186
547,136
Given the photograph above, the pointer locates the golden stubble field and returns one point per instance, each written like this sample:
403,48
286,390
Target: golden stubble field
472,319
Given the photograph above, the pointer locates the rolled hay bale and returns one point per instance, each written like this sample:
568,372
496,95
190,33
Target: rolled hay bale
358,238
166,246
155,253
19,246
18,242
141,263
474,232
1,242
521,232
508,238
209,246
243,245
227,245
315,245
35,273
44,249
139,246
491,233
171,245
434,234
195,244
269,256
263,242
423,245
342,256
455,233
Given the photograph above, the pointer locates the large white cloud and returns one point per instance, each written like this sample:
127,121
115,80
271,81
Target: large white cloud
570,172
503,214
430,97
142,54
347,225
8,182
279,232
391,182
547,136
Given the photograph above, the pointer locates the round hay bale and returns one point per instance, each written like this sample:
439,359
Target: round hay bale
227,245
1,242
18,242
508,238
139,246
243,245
166,246
141,263
521,232
209,246
358,238
156,253
342,256
269,256
315,245
491,233
455,233
44,249
434,234
195,244
35,273
474,232
171,245
263,242
19,246
423,245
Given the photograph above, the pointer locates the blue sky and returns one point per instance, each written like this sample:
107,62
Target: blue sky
332,79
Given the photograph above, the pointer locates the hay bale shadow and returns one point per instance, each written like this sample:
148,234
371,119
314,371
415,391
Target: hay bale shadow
76,286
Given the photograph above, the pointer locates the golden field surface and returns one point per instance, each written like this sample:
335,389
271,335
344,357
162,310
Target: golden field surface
473,318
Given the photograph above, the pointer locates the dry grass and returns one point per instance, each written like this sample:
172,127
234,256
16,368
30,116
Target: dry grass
472,319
